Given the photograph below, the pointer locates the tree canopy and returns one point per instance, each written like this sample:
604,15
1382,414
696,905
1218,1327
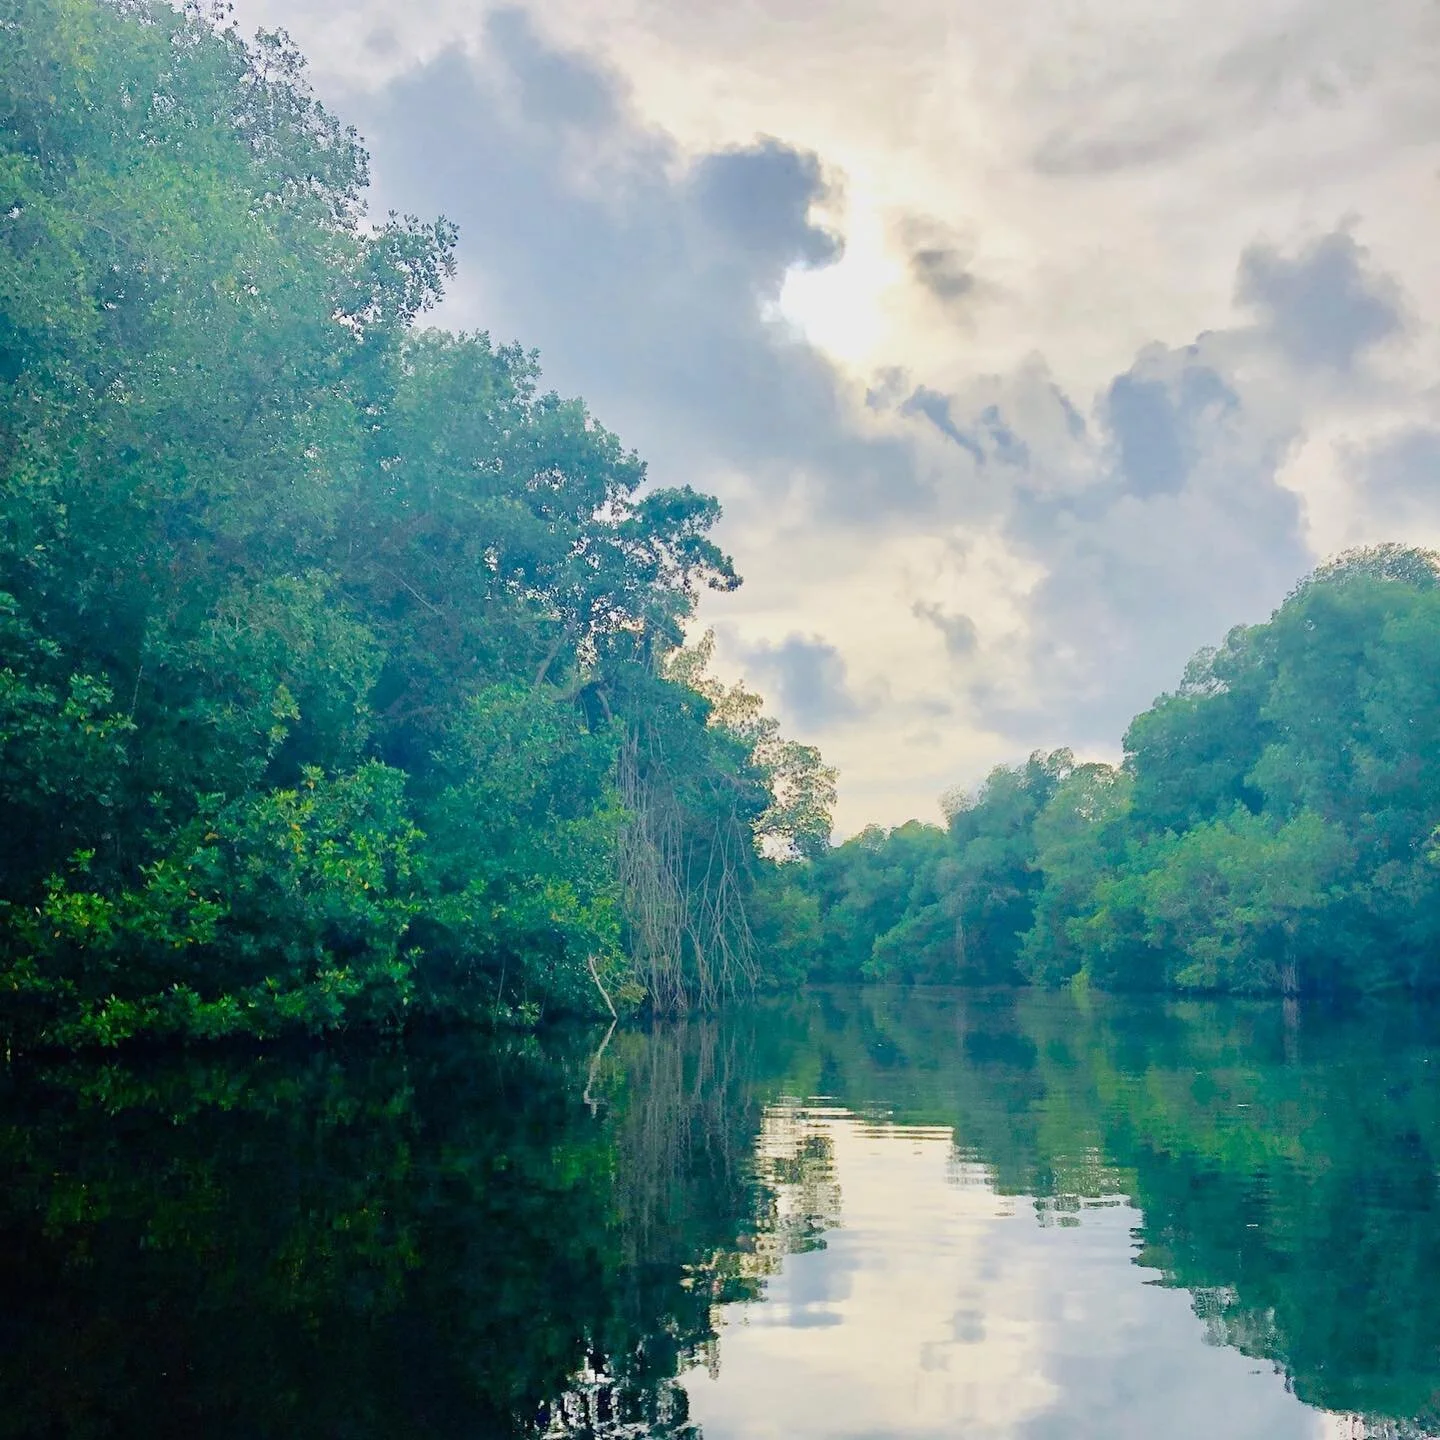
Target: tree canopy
338,670
1271,828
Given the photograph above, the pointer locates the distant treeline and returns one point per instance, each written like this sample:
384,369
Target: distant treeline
1271,828
340,666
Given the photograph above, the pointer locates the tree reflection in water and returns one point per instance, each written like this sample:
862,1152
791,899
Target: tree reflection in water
443,1238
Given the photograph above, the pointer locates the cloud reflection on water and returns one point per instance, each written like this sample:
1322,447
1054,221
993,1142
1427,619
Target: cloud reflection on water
933,1306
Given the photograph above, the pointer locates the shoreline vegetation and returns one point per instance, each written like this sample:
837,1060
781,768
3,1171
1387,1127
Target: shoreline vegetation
342,668
1271,829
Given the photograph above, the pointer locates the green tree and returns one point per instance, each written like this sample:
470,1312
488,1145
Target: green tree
274,560
1080,838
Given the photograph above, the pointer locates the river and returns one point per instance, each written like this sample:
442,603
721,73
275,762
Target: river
860,1214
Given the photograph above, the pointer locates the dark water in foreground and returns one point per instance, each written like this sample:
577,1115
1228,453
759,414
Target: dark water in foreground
870,1215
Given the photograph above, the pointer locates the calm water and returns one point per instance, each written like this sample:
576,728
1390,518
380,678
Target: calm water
870,1215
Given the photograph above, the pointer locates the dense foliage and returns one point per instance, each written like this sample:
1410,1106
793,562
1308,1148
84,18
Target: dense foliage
338,661
1272,827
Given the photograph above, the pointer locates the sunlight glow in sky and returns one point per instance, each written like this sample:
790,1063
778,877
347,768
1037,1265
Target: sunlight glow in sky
1135,317
844,308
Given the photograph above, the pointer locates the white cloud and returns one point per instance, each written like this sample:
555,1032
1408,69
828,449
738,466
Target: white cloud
1138,294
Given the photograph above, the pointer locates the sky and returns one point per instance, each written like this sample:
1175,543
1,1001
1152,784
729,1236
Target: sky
1029,347
954,1312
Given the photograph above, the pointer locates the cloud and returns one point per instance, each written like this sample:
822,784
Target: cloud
958,631
645,276
995,557
382,42
943,272
941,262
1322,307
1160,421
1067,153
1398,478
936,408
1005,445
555,90
989,438
760,197
1150,531
810,682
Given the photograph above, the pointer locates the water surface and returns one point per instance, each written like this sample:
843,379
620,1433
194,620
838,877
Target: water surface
867,1214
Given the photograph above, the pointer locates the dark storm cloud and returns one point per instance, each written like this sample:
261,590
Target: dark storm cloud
808,679
643,277
1321,307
